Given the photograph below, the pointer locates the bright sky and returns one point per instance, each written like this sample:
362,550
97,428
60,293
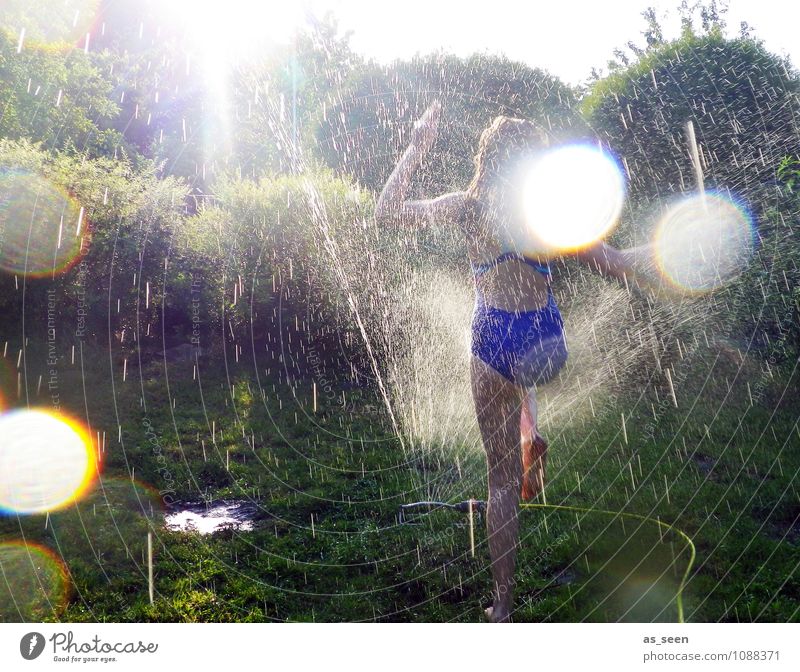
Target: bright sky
566,38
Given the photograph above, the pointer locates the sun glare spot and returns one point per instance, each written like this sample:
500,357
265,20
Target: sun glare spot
46,461
703,241
42,225
573,196
35,583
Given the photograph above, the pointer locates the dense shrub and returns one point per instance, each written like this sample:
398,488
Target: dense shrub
366,122
129,215
744,106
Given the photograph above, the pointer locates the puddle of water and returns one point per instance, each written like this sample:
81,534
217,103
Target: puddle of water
211,517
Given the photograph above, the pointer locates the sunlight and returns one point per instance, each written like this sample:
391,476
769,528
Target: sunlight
219,37
231,29
704,241
46,461
573,196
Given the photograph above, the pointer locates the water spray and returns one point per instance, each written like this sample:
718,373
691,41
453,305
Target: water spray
695,154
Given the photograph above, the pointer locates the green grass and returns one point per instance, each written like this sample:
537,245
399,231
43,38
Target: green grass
731,469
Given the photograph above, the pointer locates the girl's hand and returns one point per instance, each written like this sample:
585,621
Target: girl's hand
642,257
426,127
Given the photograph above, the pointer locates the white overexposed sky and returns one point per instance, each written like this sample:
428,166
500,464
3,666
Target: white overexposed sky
566,38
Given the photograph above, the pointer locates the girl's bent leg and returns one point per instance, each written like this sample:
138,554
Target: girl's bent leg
534,449
497,403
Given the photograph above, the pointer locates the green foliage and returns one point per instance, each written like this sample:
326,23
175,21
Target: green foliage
47,22
741,99
366,121
267,249
789,173
55,96
130,216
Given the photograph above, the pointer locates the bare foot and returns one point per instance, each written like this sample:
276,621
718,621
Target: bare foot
533,453
489,613
529,489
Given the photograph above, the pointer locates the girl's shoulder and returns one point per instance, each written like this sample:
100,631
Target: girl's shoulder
474,217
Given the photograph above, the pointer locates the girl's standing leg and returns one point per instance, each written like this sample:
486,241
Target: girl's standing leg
534,448
497,405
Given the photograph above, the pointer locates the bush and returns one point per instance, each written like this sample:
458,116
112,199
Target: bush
744,106
129,217
277,258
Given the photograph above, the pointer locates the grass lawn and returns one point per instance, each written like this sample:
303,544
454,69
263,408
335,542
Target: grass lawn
326,543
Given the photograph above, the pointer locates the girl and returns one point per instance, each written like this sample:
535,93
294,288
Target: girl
517,332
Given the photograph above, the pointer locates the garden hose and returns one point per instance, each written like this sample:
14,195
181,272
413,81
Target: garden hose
660,523
480,506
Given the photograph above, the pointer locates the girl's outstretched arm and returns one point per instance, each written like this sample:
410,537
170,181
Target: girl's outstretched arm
392,204
633,265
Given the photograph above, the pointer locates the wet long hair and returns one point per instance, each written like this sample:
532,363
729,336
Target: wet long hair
502,146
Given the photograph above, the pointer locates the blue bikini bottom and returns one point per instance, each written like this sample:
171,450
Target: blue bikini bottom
526,347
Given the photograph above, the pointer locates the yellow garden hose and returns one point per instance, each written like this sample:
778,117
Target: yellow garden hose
667,526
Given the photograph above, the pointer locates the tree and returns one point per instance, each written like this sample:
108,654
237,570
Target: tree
56,96
742,101
364,124
744,104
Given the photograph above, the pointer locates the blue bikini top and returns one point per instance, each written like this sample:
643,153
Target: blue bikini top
479,269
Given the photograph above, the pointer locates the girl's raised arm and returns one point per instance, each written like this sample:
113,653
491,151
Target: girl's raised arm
392,204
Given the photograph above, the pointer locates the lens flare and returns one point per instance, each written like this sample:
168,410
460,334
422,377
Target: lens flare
43,225
47,462
704,241
34,584
106,525
123,495
572,197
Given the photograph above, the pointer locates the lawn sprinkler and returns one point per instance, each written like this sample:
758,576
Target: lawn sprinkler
468,506
478,507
